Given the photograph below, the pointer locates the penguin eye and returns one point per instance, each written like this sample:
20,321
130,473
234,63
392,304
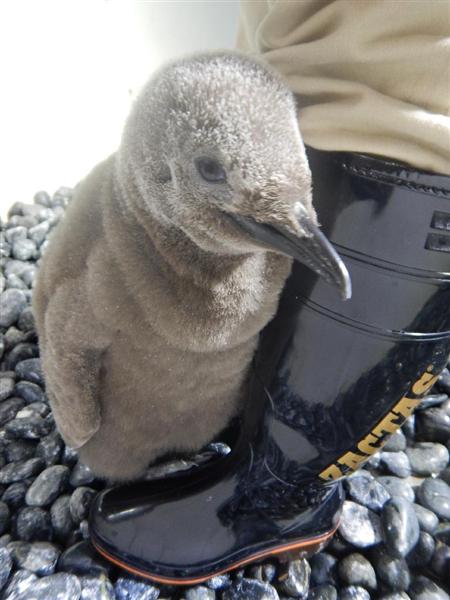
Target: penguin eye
210,170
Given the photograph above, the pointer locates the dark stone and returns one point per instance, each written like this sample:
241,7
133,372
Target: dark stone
445,475
30,392
5,567
219,582
96,588
81,475
21,352
9,408
440,562
397,487
59,585
82,559
47,486
40,557
33,524
18,450
14,495
359,525
18,471
29,428
323,568
13,337
12,303
353,592
30,370
69,457
38,233
80,502
435,495
431,401
396,463
394,572
367,491
323,592
427,458
400,526
250,589
409,427
428,521
443,383
442,533
434,425
50,448
422,552
395,442
4,517
61,518
128,589
356,570
199,593
294,578
423,588
6,388
19,583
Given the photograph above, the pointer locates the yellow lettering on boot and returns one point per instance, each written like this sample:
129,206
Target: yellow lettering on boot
406,406
351,460
424,384
388,425
331,473
367,444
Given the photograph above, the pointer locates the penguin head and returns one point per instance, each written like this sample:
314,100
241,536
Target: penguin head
213,147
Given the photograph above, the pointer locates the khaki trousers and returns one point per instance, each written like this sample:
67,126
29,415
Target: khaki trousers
370,75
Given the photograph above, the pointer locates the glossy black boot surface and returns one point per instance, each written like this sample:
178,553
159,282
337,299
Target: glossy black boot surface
331,381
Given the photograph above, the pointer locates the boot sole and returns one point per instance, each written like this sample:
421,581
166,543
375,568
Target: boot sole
301,549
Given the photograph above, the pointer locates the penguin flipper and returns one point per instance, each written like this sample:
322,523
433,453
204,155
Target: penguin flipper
72,345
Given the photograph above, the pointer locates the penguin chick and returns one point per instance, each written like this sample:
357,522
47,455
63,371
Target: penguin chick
170,260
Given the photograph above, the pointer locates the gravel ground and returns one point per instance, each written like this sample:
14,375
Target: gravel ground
393,541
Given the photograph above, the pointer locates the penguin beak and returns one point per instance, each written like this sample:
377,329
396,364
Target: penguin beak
312,249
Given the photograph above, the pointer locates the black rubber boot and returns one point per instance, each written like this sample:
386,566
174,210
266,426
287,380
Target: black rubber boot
331,381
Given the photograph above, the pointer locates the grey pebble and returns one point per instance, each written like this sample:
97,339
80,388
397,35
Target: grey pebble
396,463
443,382
431,401
359,525
435,495
50,448
129,589
39,557
19,583
427,458
30,392
323,568
423,588
353,592
395,596
26,320
16,233
9,409
38,233
96,588
61,518
14,495
367,491
355,569
6,388
33,524
395,442
21,352
249,589
43,198
433,425
15,282
422,552
18,471
294,578
323,592
81,475
12,303
397,487
18,450
60,586
400,526
428,521
199,593
5,566
394,572
80,502
81,559
440,562
219,582
24,249
4,517
30,370
47,486
29,428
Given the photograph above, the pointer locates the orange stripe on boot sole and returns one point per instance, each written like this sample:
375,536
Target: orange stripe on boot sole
310,545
